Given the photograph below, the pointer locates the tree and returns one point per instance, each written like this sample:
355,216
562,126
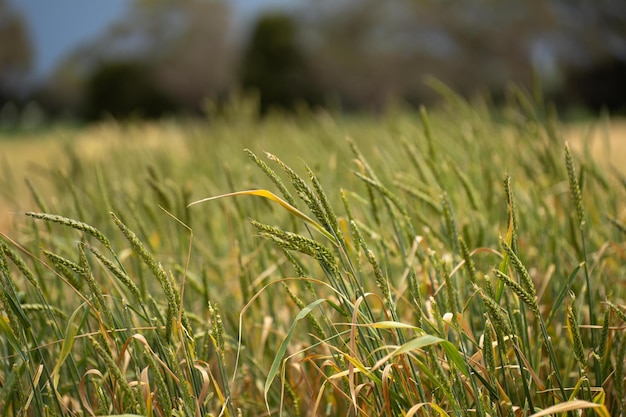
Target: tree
125,89
184,48
199,61
367,50
598,86
15,52
353,50
274,66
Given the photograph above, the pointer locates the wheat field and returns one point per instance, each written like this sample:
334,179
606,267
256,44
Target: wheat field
457,261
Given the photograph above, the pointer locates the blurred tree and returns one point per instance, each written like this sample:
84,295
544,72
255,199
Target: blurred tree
592,57
274,66
357,52
183,47
186,45
602,85
366,51
362,52
125,89
369,51
199,61
62,94
15,52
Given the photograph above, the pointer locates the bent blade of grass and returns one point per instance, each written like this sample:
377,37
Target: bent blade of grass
7,331
66,347
388,324
413,410
272,197
283,347
359,369
574,405
15,306
122,415
561,296
427,340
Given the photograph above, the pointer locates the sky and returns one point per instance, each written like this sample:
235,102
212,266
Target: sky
57,27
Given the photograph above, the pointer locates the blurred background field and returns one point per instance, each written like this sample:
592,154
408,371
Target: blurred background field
33,154
85,61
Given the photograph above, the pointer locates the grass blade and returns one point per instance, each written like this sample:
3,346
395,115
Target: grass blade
272,197
283,347
574,405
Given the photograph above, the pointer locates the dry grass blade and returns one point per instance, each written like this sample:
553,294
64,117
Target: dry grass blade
574,405
83,390
417,407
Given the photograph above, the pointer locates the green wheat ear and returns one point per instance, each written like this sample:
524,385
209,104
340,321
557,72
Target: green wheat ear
522,272
74,224
618,378
117,272
330,215
273,176
116,373
574,187
573,331
470,266
172,296
529,299
604,335
488,354
450,220
304,191
218,329
19,262
497,315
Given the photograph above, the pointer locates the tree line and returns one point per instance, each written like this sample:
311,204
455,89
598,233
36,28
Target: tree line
170,57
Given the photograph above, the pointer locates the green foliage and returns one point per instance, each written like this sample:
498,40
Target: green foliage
16,53
274,66
397,277
124,90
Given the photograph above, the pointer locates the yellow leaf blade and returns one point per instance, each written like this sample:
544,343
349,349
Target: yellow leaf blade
272,197
574,405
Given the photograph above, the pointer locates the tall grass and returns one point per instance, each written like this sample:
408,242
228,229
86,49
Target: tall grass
463,261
